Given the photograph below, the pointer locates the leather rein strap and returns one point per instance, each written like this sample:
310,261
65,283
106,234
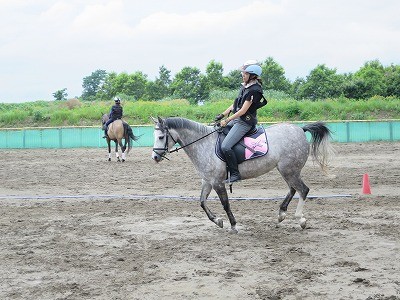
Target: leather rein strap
165,149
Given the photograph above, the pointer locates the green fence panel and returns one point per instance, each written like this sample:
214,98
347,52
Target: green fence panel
395,131
11,139
78,137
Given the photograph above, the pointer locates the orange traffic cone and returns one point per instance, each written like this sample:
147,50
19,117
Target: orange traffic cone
366,188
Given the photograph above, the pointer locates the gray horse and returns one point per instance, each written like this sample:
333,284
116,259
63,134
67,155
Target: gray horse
288,152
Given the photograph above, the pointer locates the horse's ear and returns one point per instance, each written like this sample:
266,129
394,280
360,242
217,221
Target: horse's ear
161,121
153,119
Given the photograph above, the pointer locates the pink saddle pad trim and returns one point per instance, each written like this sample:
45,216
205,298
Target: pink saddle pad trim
258,144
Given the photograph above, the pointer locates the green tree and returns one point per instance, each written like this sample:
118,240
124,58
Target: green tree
392,80
296,88
215,76
60,94
322,83
129,84
159,89
190,84
107,90
233,80
273,76
372,76
353,88
92,84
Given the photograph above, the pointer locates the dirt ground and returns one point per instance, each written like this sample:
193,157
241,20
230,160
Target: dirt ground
75,226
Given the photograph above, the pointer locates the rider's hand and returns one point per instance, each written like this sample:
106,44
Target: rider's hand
218,117
223,123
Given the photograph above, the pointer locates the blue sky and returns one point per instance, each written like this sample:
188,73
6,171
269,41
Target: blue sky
49,45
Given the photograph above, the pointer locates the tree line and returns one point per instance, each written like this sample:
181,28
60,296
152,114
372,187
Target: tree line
372,79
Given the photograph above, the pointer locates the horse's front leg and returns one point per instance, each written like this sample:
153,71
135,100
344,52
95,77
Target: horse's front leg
205,192
223,197
109,149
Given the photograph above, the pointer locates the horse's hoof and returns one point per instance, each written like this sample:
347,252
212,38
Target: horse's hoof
219,222
123,160
109,159
233,230
281,216
303,223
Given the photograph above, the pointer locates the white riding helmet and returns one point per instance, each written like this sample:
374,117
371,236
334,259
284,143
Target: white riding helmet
247,63
253,69
117,100
251,62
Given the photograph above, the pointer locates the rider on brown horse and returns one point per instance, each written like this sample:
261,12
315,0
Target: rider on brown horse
116,113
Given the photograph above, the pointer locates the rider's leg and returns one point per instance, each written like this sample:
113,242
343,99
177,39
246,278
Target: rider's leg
105,127
239,129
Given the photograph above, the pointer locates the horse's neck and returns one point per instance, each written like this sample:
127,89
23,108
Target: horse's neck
197,145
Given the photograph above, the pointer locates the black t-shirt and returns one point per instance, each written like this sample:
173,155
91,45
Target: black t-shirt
116,112
253,93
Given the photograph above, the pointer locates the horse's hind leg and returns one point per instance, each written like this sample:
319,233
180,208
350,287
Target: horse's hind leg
303,190
285,203
295,184
205,192
123,148
116,151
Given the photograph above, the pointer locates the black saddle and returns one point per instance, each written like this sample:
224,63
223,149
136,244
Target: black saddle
242,150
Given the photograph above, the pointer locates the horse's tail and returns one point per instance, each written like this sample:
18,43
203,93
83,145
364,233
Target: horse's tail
321,147
131,136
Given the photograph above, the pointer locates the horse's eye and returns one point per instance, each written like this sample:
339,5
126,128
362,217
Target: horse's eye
161,137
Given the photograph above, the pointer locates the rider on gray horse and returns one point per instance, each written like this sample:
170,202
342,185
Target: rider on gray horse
244,116
116,113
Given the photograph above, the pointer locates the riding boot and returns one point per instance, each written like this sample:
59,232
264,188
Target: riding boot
232,165
105,134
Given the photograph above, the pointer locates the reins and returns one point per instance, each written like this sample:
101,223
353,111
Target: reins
165,149
184,146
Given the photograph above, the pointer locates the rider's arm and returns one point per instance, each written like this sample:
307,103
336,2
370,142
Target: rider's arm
239,113
228,111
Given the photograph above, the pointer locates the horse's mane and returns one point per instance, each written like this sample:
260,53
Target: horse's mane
182,123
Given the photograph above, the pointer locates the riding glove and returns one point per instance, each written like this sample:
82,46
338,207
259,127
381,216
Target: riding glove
219,117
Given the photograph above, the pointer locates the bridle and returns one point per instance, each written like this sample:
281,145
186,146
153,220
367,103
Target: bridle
165,149
168,134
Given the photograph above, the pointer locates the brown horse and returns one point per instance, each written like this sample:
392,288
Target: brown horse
118,131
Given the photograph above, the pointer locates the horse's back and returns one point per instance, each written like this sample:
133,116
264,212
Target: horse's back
286,137
116,129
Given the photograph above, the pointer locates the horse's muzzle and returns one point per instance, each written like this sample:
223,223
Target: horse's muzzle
156,156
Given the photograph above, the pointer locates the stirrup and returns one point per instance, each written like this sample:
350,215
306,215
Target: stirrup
234,179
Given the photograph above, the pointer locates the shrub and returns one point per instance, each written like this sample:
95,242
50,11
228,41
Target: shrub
72,103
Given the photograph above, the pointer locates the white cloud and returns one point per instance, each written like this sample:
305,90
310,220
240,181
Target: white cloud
102,21
205,22
46,45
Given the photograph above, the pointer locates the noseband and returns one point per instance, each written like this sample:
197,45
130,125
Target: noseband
165,149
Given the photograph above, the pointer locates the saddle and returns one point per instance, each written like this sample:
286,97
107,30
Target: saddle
254,144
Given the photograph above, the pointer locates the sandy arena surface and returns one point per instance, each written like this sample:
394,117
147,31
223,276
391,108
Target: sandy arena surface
75,226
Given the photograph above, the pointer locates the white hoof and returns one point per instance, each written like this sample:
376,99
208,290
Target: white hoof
303,223
219,222
281,216
233,230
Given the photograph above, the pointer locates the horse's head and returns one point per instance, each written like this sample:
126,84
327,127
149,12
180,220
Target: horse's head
104,118
163,140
